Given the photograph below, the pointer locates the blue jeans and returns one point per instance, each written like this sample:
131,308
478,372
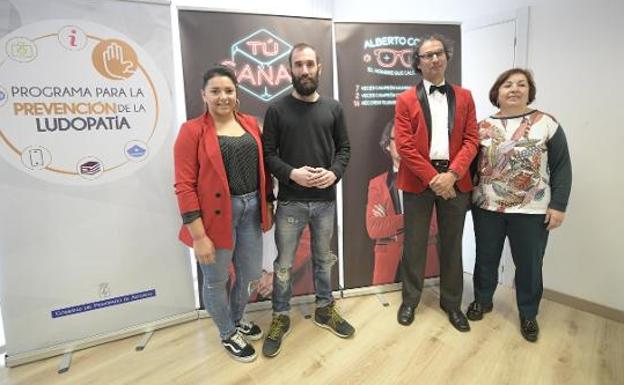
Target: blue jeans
247,260
290,220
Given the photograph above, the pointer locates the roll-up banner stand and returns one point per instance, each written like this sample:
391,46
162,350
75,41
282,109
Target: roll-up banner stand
88,236
374,65
257,48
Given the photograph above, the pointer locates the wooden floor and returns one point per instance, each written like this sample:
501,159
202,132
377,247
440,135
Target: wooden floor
574,348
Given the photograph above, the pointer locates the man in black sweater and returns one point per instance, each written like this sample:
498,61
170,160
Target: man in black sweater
306,148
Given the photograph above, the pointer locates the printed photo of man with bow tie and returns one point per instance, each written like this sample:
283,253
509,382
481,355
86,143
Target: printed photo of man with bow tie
384,219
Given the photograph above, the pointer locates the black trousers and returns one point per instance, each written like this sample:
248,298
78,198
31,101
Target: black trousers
527,238
417,216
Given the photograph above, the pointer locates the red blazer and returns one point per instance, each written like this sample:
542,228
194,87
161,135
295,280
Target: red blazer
201,182
388,235
412,132
386,231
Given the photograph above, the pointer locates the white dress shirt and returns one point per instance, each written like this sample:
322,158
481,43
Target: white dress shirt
438,105
396,170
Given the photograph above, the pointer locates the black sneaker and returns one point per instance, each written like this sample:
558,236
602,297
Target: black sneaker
476,310
239,348
280,327
529,329
327,317
249,330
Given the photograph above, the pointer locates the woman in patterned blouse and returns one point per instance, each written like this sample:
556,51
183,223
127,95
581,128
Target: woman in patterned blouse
524,180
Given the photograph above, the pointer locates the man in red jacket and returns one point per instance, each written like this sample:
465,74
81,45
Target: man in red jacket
436,136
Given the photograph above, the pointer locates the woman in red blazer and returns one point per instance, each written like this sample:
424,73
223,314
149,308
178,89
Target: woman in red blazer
222,189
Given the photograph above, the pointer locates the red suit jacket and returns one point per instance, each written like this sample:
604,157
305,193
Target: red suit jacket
201,182
412,121
388,234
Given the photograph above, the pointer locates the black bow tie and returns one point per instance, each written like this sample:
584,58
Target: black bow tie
441,89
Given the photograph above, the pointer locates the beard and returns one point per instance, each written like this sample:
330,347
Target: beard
307,88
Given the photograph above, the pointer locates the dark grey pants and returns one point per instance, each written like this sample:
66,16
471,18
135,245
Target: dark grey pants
527,238
451,215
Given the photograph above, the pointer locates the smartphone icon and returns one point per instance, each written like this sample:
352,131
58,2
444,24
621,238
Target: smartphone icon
36,157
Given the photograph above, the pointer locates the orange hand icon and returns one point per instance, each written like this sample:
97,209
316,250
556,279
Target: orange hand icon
115,64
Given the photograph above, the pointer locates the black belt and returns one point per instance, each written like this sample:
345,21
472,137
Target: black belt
440,165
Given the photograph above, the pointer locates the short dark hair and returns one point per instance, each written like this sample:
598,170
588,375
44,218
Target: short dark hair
219,70
446,43
502,78
386,136
300,46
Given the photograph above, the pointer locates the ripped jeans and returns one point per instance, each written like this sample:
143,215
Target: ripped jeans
290,220
247,260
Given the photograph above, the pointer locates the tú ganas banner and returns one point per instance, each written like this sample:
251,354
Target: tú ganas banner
257,48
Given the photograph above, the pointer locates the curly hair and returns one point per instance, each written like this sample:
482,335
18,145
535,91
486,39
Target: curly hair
446,43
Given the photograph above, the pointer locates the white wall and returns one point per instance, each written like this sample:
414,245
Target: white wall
309,8
575,51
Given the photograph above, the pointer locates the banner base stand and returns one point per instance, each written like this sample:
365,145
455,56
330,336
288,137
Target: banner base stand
380,289
73,346
304,308
382,300
143,343
371,290
65,363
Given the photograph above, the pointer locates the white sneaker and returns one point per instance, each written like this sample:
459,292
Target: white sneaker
249,330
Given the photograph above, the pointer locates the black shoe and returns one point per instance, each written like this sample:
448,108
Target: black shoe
327,317
529,329
405,316
458,319
476,310
280,327
249,330
238,348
